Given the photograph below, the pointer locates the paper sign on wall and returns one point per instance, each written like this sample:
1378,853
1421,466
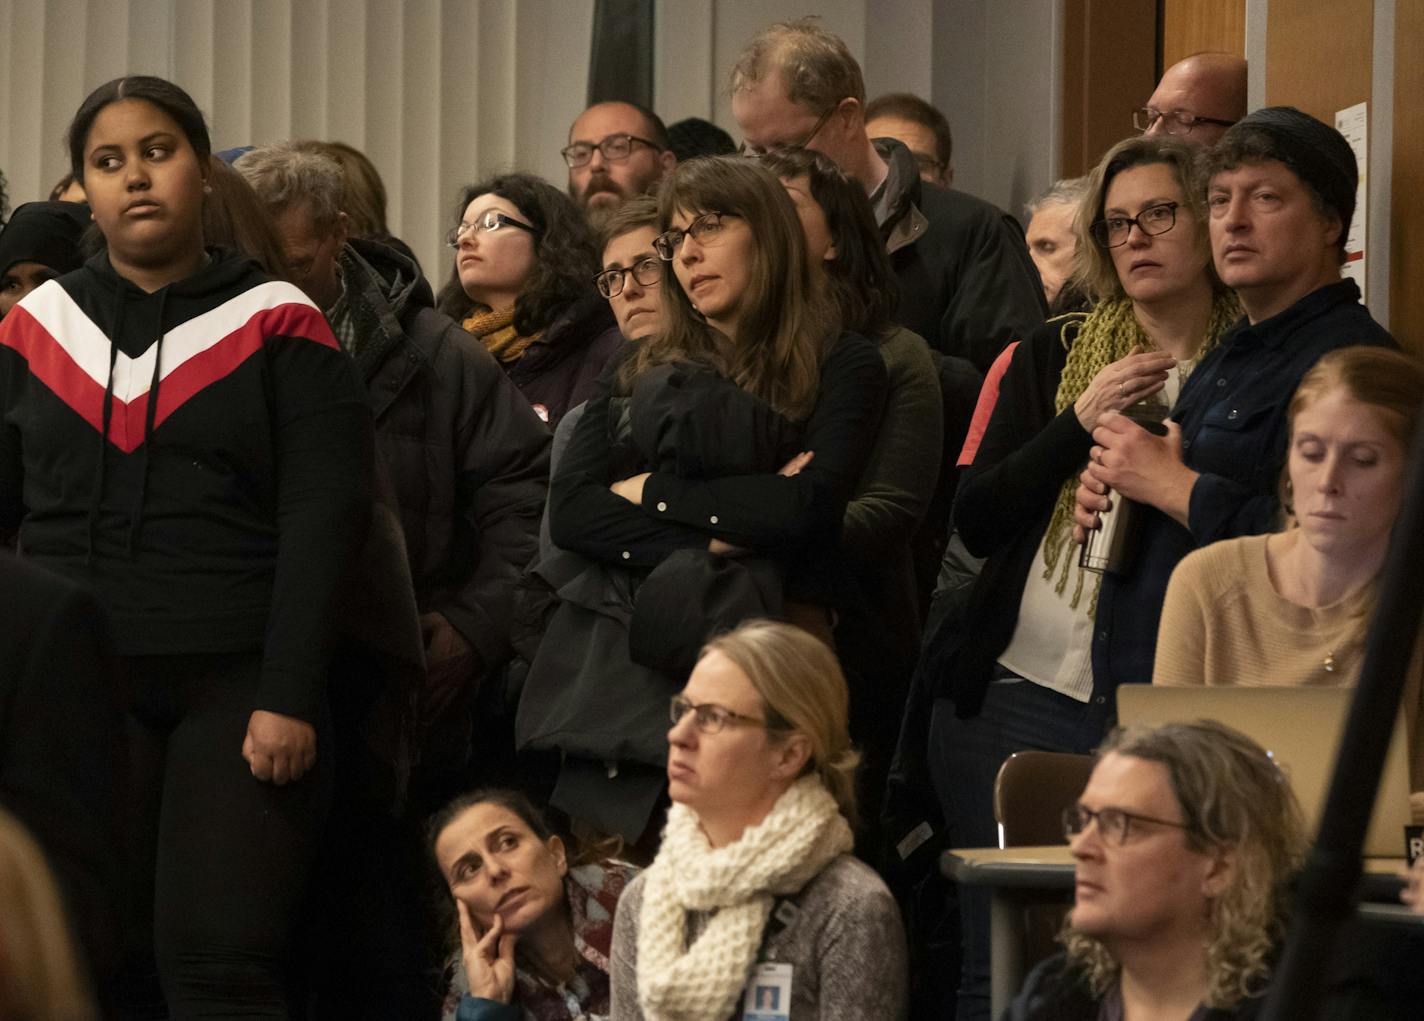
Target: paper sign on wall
1353,123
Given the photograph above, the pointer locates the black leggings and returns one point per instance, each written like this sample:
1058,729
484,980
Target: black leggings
219,861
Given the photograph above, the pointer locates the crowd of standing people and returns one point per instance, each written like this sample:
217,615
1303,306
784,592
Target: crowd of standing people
588,638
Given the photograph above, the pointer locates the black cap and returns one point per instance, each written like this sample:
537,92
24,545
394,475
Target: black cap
1314,151
45,232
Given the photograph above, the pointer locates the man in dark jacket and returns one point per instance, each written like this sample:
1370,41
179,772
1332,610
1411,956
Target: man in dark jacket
466,464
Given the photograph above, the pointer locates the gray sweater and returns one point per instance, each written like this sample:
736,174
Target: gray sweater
845,945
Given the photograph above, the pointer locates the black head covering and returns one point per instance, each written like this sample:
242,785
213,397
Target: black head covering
47,233
695,137
1314,151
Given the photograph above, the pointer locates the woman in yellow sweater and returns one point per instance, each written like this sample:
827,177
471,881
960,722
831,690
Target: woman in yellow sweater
1292,607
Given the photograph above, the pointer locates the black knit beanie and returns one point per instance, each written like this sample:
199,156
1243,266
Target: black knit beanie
1314,151
45,232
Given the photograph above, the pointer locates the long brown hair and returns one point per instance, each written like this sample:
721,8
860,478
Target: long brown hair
787,323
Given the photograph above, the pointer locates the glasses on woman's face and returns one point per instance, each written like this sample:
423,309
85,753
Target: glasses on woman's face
710,718
1114,824
1112,231
705,230
489,221
647,271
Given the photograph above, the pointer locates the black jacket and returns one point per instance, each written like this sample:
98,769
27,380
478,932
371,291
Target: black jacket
1055,991
200,456
967,282
467,458
558,371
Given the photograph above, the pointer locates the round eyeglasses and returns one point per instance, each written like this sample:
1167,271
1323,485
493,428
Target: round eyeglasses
1112,231
615,149
647,271
1114,824
705,230
489,222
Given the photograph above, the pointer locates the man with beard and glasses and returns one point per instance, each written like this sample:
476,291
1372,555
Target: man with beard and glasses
616,151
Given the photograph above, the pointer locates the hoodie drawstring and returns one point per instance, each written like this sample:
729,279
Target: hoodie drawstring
136,514
96,496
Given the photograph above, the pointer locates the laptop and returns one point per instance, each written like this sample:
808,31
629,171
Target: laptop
1301,728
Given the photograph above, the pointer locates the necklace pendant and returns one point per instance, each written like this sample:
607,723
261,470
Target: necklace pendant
1330,662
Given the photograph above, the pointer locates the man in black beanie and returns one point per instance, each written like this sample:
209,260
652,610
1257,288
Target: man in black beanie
39,243
1280,199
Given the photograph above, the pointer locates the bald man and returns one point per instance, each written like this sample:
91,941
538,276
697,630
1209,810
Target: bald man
1198,98
616,151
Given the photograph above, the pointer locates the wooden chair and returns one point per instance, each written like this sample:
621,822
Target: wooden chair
1031,792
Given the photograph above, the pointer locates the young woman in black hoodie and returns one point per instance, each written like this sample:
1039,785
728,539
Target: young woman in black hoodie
183,434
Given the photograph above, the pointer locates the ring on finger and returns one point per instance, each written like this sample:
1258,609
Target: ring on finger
1122,390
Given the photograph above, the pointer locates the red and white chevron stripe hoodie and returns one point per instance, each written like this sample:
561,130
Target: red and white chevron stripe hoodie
200,456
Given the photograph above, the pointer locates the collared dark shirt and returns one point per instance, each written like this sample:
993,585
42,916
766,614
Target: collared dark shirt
1234,430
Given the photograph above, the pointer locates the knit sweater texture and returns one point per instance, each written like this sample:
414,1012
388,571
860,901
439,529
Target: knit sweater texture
841,935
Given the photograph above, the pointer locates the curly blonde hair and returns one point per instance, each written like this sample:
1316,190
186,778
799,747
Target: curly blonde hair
1234,797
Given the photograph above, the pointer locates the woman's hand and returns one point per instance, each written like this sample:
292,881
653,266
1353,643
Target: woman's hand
631,489
793,467
1124,382
278,748
488,959
1143,466
1089,501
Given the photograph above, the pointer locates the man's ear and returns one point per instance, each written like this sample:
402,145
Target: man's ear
342,230
1334,229
668,159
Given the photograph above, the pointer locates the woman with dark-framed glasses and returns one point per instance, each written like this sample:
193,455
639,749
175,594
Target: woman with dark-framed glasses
1017,672
522,283
754,885
632,274
1183,843
704,484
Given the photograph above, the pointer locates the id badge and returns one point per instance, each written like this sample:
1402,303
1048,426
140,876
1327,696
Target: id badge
768,996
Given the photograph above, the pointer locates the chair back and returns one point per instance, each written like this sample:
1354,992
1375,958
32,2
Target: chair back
1031,792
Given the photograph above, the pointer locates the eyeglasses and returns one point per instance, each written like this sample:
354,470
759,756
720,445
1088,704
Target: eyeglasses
705,230
926,162
710,718
1113,823
488,223
1113,231
647,271
615,149
762,150
1175,122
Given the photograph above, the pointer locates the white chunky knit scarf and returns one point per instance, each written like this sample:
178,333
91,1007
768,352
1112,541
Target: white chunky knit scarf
803,834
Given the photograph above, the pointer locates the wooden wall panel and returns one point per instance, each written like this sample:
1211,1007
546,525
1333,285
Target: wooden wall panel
1109,69
1406,259
1298,72
1196,26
